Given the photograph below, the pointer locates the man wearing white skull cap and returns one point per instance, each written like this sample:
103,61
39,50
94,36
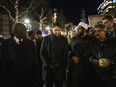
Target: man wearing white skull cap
84,25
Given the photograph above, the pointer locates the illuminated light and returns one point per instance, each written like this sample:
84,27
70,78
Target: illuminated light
27,21
47,28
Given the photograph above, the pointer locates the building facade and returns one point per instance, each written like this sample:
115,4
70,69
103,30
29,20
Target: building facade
107,7
4,26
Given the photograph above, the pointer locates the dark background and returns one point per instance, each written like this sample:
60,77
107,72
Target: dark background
72,8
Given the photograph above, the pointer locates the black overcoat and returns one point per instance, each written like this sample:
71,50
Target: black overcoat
54,52
18,63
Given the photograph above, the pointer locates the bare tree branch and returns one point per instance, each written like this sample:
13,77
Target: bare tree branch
25,15
12,2
27,10
17,10
8,12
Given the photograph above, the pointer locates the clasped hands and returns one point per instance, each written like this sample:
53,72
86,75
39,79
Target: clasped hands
75,59
104,62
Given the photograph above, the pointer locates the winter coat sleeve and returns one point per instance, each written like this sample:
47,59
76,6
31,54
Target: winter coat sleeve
43,51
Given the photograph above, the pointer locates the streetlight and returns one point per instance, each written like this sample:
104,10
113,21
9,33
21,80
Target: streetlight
27,21
48,30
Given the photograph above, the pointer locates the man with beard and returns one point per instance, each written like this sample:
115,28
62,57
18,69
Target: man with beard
101,57
79,74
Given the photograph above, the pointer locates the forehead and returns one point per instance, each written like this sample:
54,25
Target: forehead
106,21
99,30
79,27
56,28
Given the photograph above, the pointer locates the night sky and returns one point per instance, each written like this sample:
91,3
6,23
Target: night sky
72,8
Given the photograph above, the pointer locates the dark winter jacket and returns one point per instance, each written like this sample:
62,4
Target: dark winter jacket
54,52
18,63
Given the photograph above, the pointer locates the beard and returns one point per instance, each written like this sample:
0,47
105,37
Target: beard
81,34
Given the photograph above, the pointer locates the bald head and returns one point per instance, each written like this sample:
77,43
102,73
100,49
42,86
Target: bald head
19,30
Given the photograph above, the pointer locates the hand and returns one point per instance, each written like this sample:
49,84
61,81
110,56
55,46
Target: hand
104,62
75,59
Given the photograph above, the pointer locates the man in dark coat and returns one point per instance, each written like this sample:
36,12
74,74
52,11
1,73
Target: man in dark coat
18,60
101,56
79,72
54,51
39,39
110,26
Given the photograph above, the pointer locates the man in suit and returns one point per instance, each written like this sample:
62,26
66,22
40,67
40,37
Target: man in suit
18,60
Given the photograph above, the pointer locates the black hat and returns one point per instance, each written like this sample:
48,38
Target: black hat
30,33
39,32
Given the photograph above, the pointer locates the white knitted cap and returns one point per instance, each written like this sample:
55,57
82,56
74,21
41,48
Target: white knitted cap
84,25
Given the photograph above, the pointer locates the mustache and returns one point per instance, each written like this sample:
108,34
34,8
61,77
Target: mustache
97,35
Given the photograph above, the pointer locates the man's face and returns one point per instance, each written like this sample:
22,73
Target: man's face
38,36
108,24
56,31
100,34
80,31
91,31
33,36
73,34
21,33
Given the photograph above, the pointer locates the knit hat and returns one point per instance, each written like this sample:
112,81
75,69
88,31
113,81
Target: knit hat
84,25
39,32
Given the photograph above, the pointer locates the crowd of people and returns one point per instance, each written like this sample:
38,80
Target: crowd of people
86,57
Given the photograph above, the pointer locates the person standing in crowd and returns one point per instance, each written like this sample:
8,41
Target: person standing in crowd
91,31
71,34
39,39
110,25
101,57
79,75
18,60
54,52
32,36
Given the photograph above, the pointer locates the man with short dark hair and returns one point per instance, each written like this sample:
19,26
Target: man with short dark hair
54,52
110,25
